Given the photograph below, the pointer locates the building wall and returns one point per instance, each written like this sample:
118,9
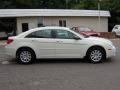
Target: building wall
90,22
32,23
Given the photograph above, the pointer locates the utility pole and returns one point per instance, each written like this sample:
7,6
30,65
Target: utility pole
99,16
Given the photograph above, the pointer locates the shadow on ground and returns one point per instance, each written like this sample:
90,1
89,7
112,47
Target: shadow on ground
63,61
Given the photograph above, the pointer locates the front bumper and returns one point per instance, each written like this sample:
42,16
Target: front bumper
111,52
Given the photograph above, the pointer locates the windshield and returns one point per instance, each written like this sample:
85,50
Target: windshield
81,34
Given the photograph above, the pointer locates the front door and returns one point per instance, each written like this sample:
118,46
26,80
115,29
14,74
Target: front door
67,46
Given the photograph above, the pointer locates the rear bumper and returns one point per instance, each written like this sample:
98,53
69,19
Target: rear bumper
10,51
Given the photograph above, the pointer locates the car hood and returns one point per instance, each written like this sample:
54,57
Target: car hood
90,33
98,39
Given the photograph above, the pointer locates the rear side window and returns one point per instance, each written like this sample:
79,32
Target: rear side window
40,34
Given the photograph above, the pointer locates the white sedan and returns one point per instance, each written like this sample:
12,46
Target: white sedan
58,42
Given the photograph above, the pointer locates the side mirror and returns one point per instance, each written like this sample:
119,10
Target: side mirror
76,38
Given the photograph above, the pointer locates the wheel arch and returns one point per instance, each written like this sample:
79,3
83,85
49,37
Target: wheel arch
96,46
25,47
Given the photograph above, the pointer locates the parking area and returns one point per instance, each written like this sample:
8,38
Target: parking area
59,74
116,42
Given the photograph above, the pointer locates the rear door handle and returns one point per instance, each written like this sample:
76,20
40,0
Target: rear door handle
59,41
32,40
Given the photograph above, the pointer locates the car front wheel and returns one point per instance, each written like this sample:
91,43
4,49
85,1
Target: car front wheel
96,55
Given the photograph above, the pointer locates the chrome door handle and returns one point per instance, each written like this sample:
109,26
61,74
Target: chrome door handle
33,40
59,41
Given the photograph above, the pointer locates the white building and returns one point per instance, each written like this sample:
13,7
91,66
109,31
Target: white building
31,18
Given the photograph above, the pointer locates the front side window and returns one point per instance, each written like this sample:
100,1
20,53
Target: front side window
40,34
63,34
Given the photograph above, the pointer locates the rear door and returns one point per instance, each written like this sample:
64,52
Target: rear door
43,43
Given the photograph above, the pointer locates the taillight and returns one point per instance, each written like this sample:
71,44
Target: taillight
9,41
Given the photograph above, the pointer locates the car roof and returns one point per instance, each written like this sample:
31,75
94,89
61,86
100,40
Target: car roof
49,27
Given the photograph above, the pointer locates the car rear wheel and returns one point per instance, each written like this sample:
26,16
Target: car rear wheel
25,56
96,55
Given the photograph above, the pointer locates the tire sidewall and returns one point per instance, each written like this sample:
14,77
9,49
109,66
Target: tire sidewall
92,49
18,56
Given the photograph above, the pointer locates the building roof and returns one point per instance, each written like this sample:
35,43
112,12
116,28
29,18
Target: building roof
51,12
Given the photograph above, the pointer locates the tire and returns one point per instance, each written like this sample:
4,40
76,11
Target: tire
25,56
96,54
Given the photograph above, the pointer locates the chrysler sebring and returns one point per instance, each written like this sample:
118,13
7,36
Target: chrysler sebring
58,42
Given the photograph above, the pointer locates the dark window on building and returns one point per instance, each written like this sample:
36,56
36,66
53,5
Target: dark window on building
40,25
24,27
62,23
40,22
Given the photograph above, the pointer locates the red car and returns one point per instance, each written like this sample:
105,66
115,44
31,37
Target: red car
86,31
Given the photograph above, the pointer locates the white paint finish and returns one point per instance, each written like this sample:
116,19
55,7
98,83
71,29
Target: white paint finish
46,46
89,22
51,12
32,23
65,49
70,48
